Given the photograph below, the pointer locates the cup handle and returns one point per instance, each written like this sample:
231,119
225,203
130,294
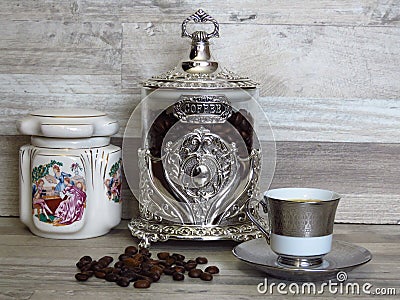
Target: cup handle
254,219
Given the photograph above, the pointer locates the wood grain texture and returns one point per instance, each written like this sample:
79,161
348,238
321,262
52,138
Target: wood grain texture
313,12
365,174
46,267
291,119
291,61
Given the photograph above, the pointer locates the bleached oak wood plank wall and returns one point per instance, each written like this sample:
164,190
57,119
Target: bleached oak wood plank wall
329,74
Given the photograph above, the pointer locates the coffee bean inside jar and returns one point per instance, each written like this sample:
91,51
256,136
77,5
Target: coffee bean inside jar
239,126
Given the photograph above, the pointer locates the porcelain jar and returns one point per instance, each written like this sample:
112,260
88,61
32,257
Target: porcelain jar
70,174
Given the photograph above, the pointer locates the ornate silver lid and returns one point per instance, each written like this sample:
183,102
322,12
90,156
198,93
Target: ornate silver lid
200,71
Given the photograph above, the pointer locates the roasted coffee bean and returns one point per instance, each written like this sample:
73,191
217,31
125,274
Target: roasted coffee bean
191,261
107,270
89,273
111,277
157,270
134,261
142,284
169,271
100,274
123,256
116,271
81,276
136,269
179,269
190,266
106,260
119,264
152,275
179,263
178,276
163,255
195,273
84,260
97,267
145,252
170,260
154,262
206,276
146,266
178,257
131,250
86,267
123,281
212,270
132,276
201,260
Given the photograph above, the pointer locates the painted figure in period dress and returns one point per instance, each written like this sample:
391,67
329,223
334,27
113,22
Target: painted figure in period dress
58,199
71,209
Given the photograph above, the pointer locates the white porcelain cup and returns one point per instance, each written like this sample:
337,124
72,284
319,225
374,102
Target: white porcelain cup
297,223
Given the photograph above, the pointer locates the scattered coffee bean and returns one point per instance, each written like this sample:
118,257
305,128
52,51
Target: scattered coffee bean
118,264
206,276
201,260
89,273
169,271
157,270
212,270
136,265
170,260
142,284
190,266
178,257
179,269
195,273
106,260
123,256
100,274
111,277
123,281
107,270
131,250
178,276
145,252
163,255
81,276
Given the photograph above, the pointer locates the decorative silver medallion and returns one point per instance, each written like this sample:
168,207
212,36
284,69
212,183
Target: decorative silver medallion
199,167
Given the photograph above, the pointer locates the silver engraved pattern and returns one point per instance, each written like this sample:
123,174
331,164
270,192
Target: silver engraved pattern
200,16
223,79
308,219
149,232
206,109
199,167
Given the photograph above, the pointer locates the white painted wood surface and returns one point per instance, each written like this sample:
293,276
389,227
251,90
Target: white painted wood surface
329,72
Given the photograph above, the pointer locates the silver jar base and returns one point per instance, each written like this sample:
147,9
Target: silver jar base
150,232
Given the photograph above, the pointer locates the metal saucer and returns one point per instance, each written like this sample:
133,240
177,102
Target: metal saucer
343,257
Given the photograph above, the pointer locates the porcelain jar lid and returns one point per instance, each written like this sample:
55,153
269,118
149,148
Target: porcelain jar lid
68,123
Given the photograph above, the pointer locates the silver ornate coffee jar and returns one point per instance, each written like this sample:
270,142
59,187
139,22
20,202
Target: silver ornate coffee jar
196,148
